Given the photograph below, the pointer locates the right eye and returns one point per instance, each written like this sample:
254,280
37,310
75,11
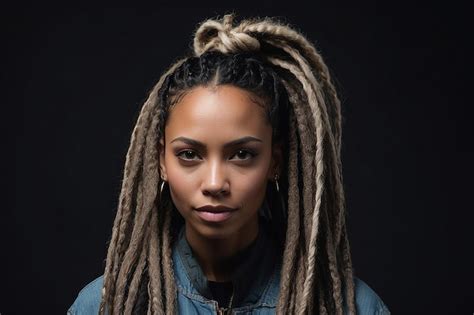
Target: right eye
187,155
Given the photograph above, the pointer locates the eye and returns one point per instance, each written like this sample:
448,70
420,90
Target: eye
244,154
187,155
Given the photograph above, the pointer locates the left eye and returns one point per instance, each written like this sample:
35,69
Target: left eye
187,155
244,155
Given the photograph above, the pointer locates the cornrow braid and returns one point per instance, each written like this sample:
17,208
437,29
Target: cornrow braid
287,76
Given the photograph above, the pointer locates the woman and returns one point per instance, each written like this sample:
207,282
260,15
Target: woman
232,199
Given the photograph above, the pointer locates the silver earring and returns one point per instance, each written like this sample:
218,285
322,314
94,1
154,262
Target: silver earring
276,183
280,197
161,187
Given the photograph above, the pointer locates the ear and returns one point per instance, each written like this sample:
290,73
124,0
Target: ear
277,160
163,173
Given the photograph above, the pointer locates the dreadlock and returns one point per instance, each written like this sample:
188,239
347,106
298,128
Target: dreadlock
288,76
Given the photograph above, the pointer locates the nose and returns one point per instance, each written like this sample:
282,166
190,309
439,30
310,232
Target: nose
215,182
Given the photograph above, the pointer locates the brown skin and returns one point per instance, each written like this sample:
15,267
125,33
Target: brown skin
215,174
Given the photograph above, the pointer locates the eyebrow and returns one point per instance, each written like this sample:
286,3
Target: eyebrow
232,143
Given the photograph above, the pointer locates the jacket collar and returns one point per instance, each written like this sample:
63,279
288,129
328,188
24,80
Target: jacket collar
252,276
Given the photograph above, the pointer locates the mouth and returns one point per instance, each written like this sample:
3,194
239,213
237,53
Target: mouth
215,214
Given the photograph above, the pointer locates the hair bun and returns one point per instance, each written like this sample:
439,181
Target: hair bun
220,36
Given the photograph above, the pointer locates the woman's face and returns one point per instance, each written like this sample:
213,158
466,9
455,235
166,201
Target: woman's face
217,160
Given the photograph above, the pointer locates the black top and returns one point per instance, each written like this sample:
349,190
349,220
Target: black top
254,266
221,292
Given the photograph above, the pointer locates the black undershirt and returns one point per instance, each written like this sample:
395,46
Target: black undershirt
221,292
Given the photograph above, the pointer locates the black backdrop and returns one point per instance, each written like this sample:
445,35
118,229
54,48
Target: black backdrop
74,80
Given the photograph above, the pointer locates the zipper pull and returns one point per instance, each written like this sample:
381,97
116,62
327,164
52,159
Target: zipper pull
224,311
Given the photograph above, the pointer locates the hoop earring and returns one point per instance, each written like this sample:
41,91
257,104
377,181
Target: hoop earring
161,187
280,196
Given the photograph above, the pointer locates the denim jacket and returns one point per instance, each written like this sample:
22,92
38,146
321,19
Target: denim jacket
256,285
255,282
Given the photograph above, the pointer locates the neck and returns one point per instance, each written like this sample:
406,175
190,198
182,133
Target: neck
217,256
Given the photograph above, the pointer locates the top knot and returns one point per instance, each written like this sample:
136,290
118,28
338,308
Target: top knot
220,36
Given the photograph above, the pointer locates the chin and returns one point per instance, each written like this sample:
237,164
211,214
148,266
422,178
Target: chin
214,232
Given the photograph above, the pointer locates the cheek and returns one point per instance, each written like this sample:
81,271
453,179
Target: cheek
181,184
251,187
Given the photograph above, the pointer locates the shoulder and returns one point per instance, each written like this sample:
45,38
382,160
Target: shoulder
367,301
88,299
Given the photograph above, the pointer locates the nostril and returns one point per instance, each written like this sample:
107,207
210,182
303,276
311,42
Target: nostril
215,188
215,192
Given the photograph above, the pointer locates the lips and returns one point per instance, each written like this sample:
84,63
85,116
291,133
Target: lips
214,214
215,209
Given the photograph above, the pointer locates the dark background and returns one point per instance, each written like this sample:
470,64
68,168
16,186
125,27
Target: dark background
74,79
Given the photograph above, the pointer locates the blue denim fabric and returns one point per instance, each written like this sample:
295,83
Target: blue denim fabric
261,299
255,285
88,301
255,281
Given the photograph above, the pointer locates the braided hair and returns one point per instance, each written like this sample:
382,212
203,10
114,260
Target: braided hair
288,77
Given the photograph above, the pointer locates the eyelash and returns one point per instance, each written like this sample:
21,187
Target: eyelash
246,151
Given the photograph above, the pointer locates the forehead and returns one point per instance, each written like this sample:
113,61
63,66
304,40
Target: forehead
218,112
